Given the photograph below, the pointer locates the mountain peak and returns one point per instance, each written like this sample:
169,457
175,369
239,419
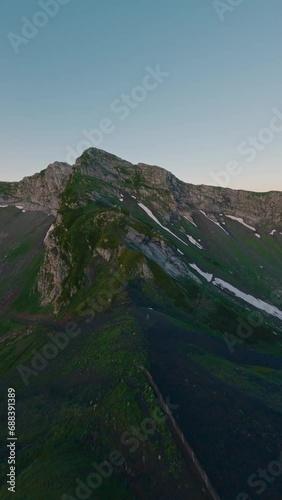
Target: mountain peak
43,190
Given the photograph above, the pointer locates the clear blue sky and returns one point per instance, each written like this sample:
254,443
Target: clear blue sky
225,79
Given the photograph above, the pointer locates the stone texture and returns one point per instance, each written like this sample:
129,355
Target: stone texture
41,191
151,185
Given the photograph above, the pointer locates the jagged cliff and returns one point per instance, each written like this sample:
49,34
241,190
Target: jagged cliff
103,194
176,196
106,267
41,191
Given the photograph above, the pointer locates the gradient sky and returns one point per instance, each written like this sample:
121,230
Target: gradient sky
225,79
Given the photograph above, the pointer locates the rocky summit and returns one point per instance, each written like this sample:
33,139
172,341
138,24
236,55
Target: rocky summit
111,271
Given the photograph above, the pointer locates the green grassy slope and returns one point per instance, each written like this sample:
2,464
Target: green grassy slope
75,410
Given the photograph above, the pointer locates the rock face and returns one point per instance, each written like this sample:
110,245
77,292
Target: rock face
109,180
53,271
157,250
42,191
169,194
39,192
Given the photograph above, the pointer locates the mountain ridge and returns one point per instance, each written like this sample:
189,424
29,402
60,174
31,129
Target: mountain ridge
183,280
139,164
44,189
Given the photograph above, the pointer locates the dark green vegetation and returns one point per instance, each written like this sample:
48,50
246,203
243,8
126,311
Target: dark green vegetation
6,188
230,405
79,408
120,277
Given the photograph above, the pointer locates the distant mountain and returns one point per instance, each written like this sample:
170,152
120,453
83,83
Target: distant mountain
183,279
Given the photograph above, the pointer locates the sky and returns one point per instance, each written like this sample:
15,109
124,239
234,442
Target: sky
192,86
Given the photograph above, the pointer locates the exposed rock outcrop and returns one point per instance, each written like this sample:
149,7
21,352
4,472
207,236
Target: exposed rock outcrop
171,195
39,192
157,250
110,181
52,273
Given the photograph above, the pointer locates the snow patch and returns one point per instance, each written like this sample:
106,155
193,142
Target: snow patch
194,242
257,235
19,207
4,206
238,219
273,232
190,220
49,231
151,215
217,223
207,276
258,303
179,251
